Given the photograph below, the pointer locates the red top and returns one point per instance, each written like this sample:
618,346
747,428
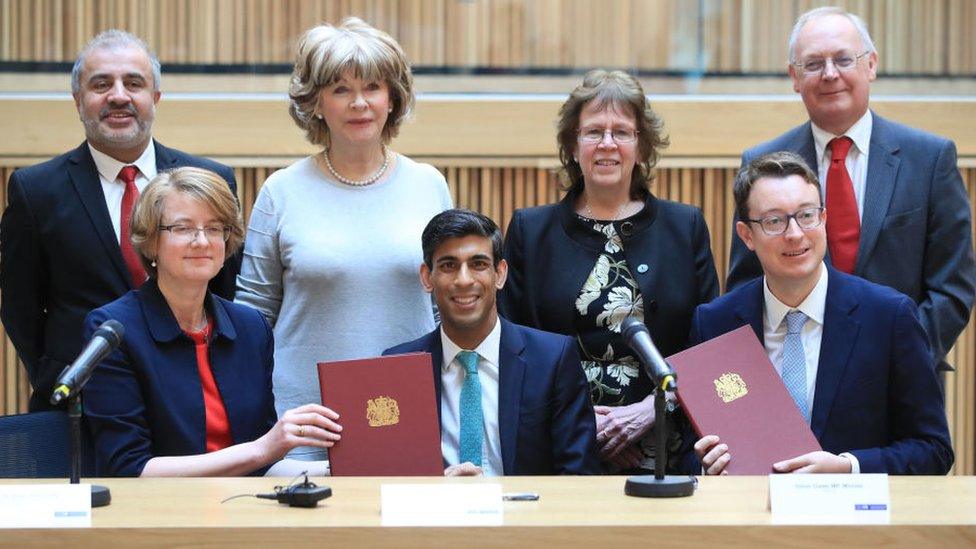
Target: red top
218,427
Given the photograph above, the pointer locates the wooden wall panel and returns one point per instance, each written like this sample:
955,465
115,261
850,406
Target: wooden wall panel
497,191
732,36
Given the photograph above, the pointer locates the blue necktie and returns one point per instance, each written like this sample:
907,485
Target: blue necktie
794,366
472,419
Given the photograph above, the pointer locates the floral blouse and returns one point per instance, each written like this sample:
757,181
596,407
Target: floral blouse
609,295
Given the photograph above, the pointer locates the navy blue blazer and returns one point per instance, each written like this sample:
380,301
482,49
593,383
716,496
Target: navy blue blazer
877,395
145,399
60,258
915,228
550,252
545,419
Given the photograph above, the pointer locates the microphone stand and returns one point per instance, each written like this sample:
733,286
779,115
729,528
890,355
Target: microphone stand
100,495
660,485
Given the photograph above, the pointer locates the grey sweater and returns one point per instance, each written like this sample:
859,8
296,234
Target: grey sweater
335,269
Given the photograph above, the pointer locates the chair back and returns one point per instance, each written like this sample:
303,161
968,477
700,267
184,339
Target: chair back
36,445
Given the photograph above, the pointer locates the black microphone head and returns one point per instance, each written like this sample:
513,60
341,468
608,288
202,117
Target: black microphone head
631,326
112,331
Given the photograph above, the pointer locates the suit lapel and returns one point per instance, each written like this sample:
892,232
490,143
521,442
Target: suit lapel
805,146
433,346
84,177
879,186
511,371
165,157
840,332
749,309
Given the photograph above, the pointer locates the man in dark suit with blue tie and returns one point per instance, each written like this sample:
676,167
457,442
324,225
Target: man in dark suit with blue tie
512,400
898,209
64,247
852,353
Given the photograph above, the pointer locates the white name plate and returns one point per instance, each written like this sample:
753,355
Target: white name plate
45,506
441,504
829,499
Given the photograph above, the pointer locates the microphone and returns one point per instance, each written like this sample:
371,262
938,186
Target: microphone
107,337
639,340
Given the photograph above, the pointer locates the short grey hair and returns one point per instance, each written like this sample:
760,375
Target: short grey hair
816,13
110,39
325,52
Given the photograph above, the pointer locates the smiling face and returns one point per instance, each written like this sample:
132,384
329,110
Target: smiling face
607,164
355,110
117,101
187,262
464,282
835,100
792,259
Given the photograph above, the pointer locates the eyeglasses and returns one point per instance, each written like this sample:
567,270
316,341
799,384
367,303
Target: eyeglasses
843,62
188,233
775,225
618,135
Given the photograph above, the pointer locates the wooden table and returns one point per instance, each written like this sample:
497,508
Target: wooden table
572,512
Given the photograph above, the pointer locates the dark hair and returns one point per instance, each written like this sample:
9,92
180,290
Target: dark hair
618,90
459,223
775,164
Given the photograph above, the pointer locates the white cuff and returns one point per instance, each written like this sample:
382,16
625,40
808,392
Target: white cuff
855,464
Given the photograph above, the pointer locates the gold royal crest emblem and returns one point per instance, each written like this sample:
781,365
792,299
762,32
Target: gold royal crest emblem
382,411
730,387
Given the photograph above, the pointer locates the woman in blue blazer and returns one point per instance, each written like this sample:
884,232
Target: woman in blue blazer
188,391
610,249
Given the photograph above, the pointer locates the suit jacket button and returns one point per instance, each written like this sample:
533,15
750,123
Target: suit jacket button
627,228
642,268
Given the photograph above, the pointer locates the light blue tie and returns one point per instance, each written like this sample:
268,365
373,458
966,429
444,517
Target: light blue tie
794,367
472,419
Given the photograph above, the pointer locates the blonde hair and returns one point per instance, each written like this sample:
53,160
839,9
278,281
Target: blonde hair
610,89
326,52
202,185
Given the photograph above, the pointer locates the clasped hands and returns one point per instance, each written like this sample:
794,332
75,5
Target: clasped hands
620,428
715,457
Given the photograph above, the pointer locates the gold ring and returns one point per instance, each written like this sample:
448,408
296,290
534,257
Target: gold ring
301,430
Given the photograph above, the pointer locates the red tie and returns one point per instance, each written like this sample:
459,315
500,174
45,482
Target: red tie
128,176
843,221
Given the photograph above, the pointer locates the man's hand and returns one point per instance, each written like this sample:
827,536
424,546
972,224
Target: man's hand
713,454
466,469
814,462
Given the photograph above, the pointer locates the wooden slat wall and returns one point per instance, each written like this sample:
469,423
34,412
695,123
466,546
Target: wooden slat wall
498,191
737,36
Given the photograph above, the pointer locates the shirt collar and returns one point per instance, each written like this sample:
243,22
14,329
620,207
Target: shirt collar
487,349
860,134
109,167
812,306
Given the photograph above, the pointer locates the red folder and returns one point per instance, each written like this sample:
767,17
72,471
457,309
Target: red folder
388,412
728,387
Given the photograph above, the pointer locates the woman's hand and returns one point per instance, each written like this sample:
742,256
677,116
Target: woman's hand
308,425
620,426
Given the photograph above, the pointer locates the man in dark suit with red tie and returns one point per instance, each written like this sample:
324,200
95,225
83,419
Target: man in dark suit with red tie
64,243
898,211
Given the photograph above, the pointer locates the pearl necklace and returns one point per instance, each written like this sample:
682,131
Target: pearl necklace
363,182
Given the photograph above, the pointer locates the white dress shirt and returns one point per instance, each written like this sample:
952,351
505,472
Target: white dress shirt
857,157
452,378
113,188
774,335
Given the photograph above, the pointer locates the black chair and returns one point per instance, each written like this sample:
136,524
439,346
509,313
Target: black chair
36,445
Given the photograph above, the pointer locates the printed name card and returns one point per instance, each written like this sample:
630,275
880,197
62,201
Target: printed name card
829,499
45,506
441,504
